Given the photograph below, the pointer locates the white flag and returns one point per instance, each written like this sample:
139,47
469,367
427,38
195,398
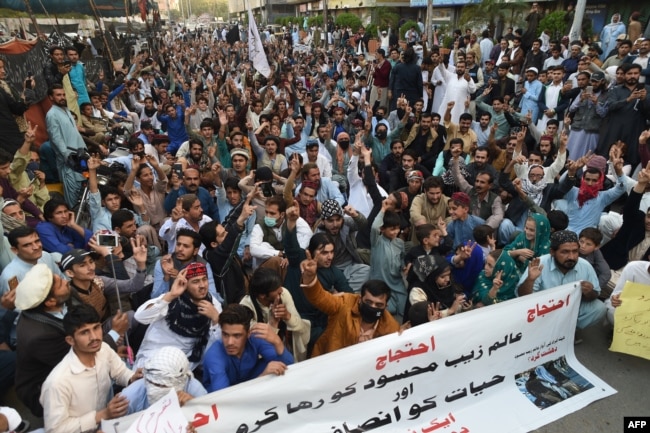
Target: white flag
255,49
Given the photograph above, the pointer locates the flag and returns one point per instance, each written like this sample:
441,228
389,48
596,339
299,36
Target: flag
255,49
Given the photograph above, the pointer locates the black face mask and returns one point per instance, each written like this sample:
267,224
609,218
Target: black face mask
344,144
379,117
370,314
381,134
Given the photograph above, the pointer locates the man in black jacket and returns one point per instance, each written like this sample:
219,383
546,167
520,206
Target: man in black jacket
221,243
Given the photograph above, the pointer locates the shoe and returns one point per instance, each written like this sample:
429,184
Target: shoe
23,427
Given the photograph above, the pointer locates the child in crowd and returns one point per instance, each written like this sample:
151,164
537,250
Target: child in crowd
484,236
590,240
387,260
461,227
435,284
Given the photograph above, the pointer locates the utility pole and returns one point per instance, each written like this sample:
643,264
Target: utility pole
428,26
327,40
576,27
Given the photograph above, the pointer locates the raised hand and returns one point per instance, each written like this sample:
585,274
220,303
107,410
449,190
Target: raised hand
308,267
179,286
535,268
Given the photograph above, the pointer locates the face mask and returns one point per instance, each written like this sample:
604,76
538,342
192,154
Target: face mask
270,222
344,144
379,117
381,135
370,314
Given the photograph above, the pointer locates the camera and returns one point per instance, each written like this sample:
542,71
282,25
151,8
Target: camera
267,189
78,160
178,169
108,240
67,63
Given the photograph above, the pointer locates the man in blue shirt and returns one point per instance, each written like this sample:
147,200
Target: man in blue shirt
173,118
244,352
189,184
564,265
77,75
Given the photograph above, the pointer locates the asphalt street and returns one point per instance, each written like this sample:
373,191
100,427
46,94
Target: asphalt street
629,375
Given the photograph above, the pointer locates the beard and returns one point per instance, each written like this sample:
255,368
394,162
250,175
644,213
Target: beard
62,103
567,265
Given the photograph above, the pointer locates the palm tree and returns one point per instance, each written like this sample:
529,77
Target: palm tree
491,13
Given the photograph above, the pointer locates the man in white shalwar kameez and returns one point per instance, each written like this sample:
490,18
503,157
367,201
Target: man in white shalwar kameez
459,88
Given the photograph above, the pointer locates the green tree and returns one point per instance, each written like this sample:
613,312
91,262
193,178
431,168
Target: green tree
554,23
406,26
316,20
348,20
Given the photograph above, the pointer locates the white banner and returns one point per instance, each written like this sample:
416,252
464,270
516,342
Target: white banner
255,49
508,367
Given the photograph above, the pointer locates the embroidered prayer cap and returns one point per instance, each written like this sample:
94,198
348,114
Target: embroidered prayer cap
331,208
403,200
160,138
310,184
460,198
34,288
195,269
562,237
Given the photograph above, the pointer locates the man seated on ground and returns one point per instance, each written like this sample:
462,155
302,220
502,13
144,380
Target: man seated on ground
104,201
76,396
484,203
188,243
245,352
563,265
167,369
43,299
189,184
343,229
94,290
186,317
266,237
28,250
220,242
59,232
187,215
352,318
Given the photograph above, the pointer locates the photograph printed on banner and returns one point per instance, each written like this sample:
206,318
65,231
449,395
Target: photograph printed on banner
551,382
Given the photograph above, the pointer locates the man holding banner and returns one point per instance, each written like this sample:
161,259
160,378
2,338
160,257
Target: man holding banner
563,265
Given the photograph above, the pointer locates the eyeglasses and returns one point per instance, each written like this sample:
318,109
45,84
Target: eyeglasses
536,175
